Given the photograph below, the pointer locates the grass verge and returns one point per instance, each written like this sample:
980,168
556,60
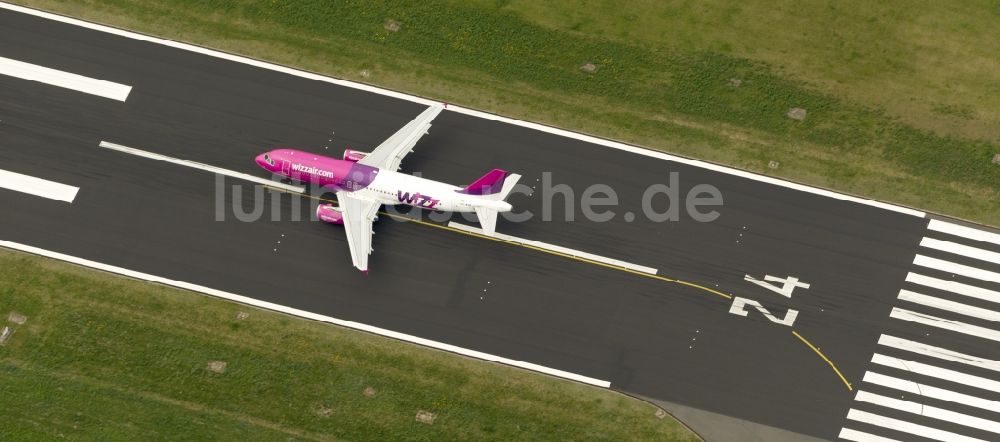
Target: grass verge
711,83
110,358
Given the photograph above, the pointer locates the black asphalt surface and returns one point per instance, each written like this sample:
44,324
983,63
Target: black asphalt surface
647,337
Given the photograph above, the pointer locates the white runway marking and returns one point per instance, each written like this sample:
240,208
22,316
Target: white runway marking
928,411
41,74
947,324
907,427
954,287
957,269
555,248
937,372
202,166
858,436
965,232
307,315
37,186
951,306
961,249
914,380
931,392
938,352
472,112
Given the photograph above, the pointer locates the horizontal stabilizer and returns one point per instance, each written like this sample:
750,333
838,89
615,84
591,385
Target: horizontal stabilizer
487,219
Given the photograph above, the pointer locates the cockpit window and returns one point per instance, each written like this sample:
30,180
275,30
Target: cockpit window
268,160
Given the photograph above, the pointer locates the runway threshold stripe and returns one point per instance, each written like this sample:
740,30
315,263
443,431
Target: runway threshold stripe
929,411
961,249
37,186
963,231
951,306
860,436
202,166
42,74
957,269
954,287
938,352
305,314
937,372
908,427
931,392
472,112
947,324
555,248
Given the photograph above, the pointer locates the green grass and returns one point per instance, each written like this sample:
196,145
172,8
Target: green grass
110,358
903,98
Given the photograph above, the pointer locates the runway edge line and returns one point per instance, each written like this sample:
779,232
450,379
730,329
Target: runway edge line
304,314
472,112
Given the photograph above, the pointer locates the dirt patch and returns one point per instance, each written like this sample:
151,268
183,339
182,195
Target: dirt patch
996,159
242,315
369,391
660,414
797,113
16,318
392,25
589,67
217,366
5,335
735,82
426,417
773,164
366,73
324,411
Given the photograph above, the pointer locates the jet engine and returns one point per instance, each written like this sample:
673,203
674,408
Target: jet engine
329,213
353,155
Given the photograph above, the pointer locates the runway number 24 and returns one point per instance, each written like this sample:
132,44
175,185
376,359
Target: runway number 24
788,285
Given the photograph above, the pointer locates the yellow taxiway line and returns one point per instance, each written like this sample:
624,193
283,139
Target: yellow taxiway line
589,261
828,361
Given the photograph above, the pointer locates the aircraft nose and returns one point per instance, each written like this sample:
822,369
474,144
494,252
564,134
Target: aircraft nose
260,161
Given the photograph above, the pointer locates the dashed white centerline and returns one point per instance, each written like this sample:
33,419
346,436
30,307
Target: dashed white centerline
472,112
68,80
37,186
202,166
559,249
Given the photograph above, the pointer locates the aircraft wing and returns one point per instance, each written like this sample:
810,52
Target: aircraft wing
390,153
358,216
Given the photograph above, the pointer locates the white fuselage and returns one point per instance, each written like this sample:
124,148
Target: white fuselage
398,188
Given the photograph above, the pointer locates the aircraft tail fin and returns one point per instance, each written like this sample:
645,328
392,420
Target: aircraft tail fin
493,185
492,189
504,188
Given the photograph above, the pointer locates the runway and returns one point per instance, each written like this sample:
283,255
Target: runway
676,344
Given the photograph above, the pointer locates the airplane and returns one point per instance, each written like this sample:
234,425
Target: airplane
363,182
